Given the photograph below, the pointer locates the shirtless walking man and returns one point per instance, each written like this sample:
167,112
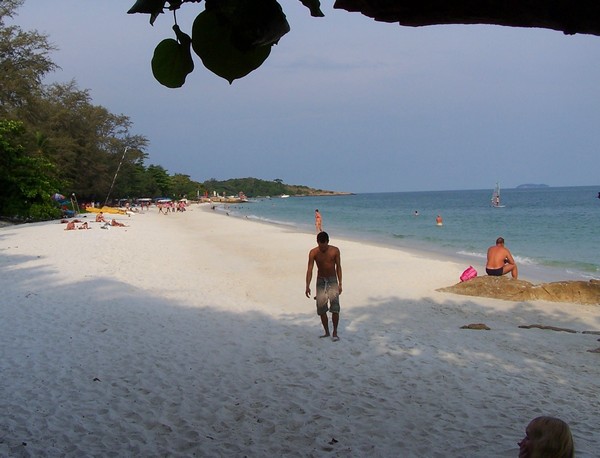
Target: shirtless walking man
329,282
500,261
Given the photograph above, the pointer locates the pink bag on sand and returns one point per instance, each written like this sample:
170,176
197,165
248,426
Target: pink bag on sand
469,273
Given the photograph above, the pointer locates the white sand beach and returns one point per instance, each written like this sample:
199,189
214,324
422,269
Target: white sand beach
189,335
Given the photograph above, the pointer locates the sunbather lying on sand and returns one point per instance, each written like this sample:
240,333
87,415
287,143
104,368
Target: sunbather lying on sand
114,222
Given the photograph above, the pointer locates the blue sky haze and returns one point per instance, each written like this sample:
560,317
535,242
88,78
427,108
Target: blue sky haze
346,103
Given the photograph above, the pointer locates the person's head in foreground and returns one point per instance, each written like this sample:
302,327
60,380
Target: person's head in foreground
323,240
547,437
499,241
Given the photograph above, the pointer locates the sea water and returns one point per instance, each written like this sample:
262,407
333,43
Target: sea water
553,233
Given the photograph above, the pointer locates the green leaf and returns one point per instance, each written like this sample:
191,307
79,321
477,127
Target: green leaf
213,41
172,61
152,7
255,23
314,6
263,24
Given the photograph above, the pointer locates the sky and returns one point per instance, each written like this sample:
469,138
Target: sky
345,103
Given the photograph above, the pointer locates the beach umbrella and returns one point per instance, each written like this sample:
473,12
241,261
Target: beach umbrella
58,197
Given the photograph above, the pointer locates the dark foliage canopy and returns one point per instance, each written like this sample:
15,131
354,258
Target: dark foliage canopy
234,37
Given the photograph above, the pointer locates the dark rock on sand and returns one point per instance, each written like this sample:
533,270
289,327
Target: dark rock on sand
476,326
577,292
552,328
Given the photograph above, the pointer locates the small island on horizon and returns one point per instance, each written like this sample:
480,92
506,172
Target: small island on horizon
256,187
531,186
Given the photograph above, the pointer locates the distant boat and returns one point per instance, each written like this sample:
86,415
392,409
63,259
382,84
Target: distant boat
496,197
284,196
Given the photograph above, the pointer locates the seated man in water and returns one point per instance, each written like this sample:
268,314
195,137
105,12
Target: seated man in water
500,261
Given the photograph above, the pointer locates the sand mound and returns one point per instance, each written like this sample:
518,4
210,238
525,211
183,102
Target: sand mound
577,292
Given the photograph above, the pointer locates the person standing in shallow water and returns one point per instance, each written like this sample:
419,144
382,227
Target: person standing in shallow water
329,282
318,221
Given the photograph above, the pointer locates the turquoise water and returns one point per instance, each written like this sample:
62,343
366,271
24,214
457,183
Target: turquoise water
552,232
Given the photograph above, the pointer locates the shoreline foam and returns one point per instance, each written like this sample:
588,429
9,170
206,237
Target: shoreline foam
549,232
531,271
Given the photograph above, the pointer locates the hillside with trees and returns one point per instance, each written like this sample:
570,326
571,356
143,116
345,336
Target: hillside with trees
254,187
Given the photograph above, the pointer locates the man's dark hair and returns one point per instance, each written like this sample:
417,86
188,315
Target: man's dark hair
499,241
322,237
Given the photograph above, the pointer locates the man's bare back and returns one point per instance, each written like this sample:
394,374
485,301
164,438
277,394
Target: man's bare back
500,260
496,256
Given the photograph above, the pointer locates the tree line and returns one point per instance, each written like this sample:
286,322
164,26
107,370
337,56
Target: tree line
53,139
255,187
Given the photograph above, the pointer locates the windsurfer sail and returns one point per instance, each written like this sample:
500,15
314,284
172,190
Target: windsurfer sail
496,197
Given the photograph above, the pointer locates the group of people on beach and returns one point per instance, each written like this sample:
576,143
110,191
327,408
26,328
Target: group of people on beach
101,219
545,437
327,257
72,225
171,207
